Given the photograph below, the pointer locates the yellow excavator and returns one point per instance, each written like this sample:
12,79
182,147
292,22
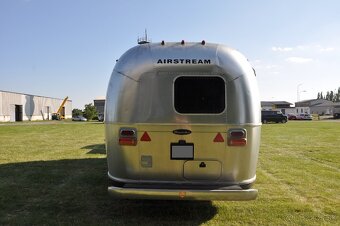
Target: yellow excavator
60,114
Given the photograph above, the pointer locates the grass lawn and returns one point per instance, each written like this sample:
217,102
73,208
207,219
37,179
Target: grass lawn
55,174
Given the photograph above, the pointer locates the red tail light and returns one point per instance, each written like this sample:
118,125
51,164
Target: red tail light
237,142
128,136
237,133
127,133
237,137
145,137
128,141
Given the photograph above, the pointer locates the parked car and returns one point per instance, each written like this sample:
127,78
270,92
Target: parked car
304,116
273,116
79,118
291,117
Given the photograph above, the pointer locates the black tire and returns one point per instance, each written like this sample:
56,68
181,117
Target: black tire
264,121
284,121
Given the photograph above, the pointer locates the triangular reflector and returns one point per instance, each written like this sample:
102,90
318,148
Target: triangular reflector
145,137
219,138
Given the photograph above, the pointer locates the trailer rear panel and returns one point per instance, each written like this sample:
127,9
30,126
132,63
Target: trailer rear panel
182,122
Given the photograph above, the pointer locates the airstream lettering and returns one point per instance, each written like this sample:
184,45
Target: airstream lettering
182,122
183,61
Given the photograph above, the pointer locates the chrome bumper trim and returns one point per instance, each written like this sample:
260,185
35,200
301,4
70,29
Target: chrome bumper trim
218,183
183,194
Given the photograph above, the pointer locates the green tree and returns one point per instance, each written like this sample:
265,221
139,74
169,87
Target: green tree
76,112
337,96
331,96
90,111
327,95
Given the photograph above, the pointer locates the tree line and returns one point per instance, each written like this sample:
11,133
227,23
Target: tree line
89,112
330,95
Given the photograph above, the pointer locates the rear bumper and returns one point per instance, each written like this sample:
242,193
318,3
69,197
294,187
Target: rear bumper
226,194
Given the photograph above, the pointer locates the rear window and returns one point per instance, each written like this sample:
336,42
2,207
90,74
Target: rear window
199,95
271,113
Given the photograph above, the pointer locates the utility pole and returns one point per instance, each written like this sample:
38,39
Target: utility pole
298,92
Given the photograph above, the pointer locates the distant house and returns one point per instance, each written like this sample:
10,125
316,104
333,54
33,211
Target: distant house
315,106
99,103
283,106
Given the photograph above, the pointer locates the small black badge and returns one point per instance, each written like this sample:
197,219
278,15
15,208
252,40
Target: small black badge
181,131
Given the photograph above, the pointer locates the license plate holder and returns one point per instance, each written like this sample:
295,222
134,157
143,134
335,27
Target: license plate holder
182,151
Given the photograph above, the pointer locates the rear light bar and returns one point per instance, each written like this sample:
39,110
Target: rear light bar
237,137
128,136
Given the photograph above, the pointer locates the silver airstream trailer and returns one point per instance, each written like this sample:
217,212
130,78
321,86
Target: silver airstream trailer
182,121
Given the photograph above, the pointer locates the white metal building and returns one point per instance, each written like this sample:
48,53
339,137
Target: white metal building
315,106
283,106
22,107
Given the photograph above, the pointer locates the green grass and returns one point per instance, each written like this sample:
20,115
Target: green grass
56,175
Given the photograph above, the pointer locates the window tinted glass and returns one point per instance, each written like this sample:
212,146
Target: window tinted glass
201,94
271,113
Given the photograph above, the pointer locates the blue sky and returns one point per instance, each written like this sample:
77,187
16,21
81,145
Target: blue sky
64,48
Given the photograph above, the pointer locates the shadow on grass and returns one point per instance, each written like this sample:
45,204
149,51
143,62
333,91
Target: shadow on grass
95,149
75,192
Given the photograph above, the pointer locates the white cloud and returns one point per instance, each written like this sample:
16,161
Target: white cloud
259,64
282,49
299,60
328,49
304,48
